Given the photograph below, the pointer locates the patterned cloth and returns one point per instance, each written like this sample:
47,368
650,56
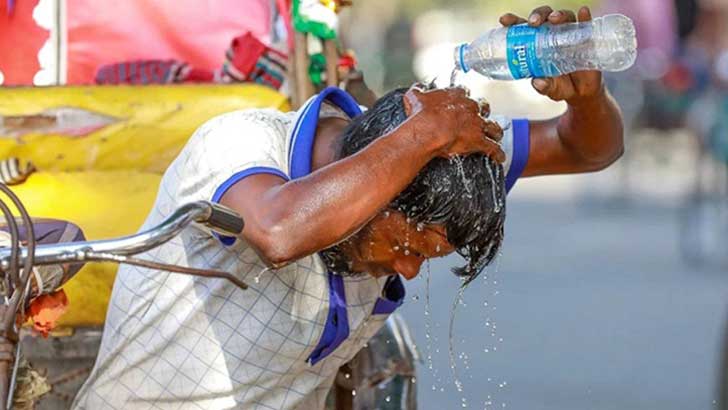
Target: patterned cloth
179,342
12,172
248,59
142,72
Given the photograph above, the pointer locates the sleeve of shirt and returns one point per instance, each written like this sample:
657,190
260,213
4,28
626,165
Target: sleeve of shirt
516,144
226,150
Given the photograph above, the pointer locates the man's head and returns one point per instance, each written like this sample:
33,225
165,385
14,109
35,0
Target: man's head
452,205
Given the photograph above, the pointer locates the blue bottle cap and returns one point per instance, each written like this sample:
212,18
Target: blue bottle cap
461,60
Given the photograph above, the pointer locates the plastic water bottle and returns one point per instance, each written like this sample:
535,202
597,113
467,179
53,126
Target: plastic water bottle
606,43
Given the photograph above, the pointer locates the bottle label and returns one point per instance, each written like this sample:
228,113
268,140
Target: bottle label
521,51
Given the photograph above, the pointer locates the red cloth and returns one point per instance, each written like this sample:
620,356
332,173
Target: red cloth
20,41
45,310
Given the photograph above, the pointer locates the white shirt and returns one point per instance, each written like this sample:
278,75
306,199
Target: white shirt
179,342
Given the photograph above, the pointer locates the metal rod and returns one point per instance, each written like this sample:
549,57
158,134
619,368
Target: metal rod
12,265
52,254
95,256
13,377
332,62
304,88
29,231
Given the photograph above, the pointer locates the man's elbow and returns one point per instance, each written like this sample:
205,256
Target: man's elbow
274,246
607,160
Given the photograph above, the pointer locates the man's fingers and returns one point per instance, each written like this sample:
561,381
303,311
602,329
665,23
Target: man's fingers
539,15
585,14
558,89
542,85
562,16
484,108
494,151
493,131
510,19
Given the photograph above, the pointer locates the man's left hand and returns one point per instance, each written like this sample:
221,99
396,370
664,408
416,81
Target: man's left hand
573,87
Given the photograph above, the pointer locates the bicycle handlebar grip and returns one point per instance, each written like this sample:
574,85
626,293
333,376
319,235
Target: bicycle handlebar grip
225,220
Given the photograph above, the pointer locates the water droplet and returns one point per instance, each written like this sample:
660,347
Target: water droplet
420,227
451,342
353,392
347,375
387,399
386,214
406,244
454,76
395,248
406,252
415,298
437,248
428,318
256,279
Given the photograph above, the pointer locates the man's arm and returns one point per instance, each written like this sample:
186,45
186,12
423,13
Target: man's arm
589,136
288,220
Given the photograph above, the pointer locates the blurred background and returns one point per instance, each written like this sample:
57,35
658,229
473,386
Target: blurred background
612,288
611,291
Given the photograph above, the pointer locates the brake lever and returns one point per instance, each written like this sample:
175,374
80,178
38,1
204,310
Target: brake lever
110,257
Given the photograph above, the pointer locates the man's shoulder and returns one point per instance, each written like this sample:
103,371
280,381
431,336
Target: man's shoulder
251,117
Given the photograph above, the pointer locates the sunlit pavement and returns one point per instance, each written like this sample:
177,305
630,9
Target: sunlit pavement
595,307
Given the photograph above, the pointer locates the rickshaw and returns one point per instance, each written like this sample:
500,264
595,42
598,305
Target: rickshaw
98,153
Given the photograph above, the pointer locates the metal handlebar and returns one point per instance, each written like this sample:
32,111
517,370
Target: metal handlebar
217,217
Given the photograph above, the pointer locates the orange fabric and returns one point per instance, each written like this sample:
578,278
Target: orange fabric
20,41
197,32
45,310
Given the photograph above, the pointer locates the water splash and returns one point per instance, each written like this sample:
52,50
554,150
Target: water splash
428,319
451,344
458,162
454,76
256,279
493,190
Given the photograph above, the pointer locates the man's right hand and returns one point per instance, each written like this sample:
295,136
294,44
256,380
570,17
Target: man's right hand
453,122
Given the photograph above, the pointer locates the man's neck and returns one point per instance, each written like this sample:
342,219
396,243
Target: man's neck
326,143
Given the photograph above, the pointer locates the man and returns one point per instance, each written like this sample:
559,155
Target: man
336,211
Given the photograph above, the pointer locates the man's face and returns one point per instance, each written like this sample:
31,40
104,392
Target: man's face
390,244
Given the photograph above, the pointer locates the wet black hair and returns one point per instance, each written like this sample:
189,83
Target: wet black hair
465,194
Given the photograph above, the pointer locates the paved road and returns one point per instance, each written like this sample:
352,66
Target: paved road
596,311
